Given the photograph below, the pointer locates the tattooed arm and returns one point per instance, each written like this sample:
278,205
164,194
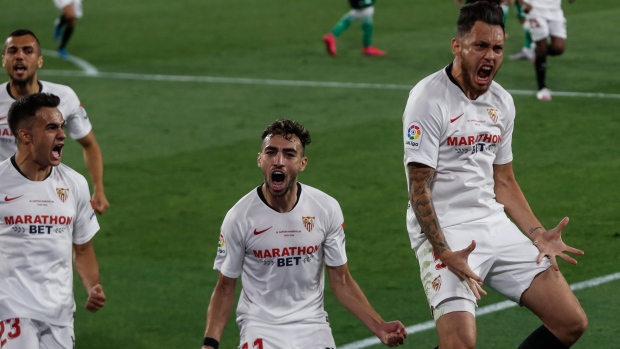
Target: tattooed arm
420,178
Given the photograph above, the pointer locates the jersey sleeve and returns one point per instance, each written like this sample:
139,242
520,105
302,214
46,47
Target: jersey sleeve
334,245
231,248
77,122
504,153
422,128
85,225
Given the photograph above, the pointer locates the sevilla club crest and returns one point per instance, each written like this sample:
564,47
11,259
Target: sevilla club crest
63,193
493,114
308,222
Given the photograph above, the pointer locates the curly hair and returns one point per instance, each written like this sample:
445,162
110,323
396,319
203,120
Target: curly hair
288,128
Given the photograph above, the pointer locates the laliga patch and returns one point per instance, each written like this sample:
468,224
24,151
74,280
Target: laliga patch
221,246
413,136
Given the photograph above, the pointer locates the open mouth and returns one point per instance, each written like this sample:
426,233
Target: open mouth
484,73
19,68
57,151
278,177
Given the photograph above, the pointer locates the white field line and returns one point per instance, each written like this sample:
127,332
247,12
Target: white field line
87,68
92,72
365,343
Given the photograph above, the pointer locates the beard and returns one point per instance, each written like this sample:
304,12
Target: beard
470,85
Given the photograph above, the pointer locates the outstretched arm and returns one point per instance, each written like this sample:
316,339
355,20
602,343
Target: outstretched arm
420,178
549,242
353,299
94,164
220,306
88,270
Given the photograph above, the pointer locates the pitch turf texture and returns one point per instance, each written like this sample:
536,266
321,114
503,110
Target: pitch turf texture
179,154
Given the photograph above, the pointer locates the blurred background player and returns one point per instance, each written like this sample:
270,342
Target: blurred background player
547,23
363,10
21,59
45,214
527,51
280,238
64,26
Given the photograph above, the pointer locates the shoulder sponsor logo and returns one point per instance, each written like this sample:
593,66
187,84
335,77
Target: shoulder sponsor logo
221,245
258,232
308,222
493,114
63,194
8,199
456,118
413,136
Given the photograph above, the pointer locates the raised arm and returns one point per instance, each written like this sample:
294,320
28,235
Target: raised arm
420,179
350,295
94,164
220,306
88,270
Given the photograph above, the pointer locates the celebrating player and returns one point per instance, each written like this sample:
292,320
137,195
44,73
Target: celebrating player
458,126
279,238
44,214
22,58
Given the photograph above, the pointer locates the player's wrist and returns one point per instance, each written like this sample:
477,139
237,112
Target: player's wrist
211,342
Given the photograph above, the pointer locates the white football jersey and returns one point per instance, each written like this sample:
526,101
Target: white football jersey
281,256
77,123
461,139
39,223
545,9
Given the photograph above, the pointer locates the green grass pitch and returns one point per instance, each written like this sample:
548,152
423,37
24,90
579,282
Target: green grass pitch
180,152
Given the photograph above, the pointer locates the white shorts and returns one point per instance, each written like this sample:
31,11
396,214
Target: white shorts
23,333
293,336
364,13
504,258
544,24
77,6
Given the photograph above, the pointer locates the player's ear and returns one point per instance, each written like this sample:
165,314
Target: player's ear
258,159
304,162
40,62
24,135
456,46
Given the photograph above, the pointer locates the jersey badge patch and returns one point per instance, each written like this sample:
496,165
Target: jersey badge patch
308,222
437,283
221,245
413,136
63,194
493,114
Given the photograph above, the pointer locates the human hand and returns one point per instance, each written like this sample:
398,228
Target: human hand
392,333
456,261
99,202
96,298
550,244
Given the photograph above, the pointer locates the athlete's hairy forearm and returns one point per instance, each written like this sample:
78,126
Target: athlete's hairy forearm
420,178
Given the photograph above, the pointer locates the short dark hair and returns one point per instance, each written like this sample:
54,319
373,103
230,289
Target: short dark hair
483,11
23,32
24,110
288,128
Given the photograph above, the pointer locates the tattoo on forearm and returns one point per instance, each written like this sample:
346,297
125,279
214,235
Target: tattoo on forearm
534,229
420,179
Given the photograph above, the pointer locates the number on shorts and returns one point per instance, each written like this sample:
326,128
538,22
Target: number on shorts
258,344
13,333
438,263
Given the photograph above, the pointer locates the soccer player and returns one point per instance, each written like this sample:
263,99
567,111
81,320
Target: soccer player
363,10
21,59
527,51
64,26
457,129
279,238
44,214
547,22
